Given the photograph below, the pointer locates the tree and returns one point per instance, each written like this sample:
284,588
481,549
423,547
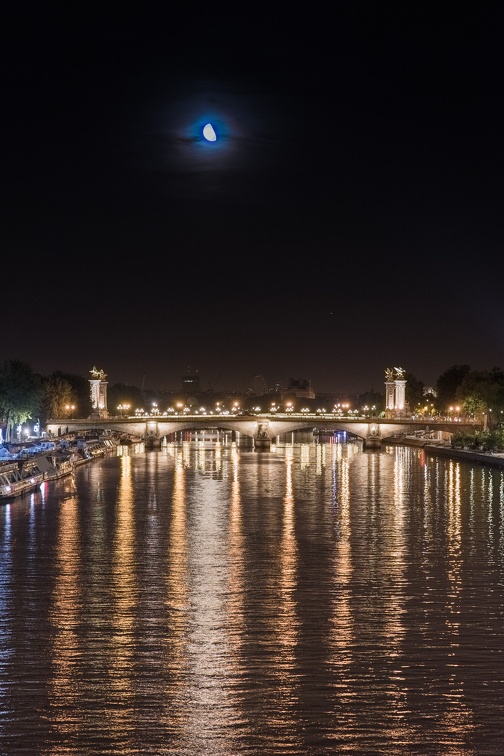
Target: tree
57,395
448,384
62,390
482,392
414,392
121,394
21,394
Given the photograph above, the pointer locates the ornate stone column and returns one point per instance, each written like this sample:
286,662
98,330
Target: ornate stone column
389,393
400,396
98,388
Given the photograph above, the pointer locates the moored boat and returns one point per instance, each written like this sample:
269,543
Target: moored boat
56,465
18,478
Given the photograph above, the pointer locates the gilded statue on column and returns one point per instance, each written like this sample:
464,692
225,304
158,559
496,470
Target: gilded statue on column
98,373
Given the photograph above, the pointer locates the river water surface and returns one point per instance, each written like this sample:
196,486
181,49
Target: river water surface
205,598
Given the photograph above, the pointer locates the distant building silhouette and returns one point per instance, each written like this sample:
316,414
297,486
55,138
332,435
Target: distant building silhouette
301,388
191,384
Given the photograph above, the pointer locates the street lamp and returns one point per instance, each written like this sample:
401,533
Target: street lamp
123,408
70,409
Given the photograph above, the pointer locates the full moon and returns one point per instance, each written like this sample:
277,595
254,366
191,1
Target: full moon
209,133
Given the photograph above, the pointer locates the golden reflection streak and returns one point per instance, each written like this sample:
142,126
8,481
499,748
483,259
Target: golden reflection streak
395,585
125,593
66,604
501,516
457,716
342,636
177,590
454,546
236,625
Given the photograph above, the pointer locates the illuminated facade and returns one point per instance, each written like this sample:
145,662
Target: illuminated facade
395,392
98,389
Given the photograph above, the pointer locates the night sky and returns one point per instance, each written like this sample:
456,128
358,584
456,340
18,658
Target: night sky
349,217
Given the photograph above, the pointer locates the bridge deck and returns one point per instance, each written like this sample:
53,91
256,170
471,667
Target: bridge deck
267,426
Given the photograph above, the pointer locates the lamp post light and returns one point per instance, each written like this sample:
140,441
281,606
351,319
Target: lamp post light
123,408
70,409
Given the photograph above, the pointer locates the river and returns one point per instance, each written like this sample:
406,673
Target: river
206,598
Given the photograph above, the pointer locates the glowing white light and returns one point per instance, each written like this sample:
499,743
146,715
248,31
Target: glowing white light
209,133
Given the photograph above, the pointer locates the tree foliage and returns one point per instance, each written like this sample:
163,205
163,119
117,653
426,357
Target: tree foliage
21,393
62,390
122,393
414,392
447,386
57,395
481,392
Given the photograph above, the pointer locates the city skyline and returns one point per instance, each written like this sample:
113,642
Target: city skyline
346,217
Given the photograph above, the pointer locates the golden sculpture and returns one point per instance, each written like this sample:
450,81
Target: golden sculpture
98,374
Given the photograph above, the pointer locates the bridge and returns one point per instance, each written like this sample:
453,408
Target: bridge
262,428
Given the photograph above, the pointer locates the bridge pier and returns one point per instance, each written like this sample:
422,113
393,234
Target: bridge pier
262,440
373,437
152,438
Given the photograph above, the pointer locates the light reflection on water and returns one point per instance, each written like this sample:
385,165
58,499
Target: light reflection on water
205,598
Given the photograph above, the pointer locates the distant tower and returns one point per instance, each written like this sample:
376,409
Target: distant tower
98,388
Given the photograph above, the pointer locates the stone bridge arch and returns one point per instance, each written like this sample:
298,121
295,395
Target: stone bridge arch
261,428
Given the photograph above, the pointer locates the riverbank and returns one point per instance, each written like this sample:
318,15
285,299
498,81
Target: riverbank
495,459
441,449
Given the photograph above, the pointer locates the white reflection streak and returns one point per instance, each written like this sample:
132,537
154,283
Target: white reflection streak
218,456
304,456
208,673
318,458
